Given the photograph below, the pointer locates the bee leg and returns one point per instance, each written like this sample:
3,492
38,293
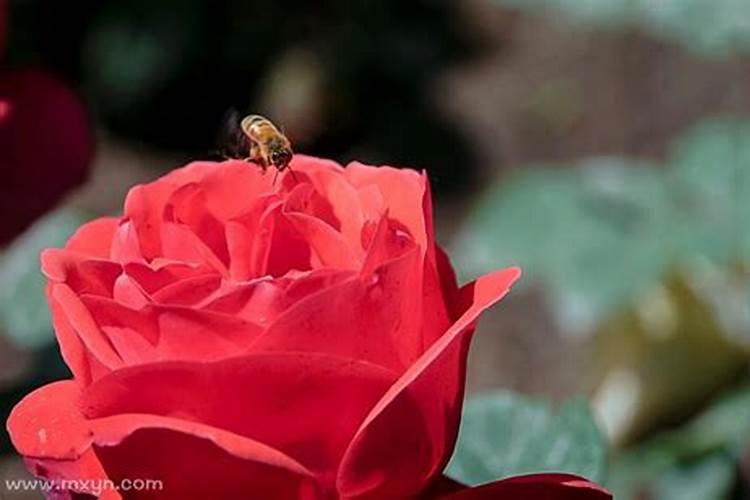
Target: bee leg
254,156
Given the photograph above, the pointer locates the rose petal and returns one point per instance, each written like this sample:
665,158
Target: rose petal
388,243
188,291
180,244
45,424
260,301
80,272
159,274
82,324
287,249
359,318
403,192
385,242
161,332
441,302
126,246
441,486
54,438
71,347
144,207
329,246
422,409
428,218
372,202
83,476
343,198
536,486
303,198
333,394
192,460
448,283
94,238
228,186
188,206
249,239
189,458
128,293
263,300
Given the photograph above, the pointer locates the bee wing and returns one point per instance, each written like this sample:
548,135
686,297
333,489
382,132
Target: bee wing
231,140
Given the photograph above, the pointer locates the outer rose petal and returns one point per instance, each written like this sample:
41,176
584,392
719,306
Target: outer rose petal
344,199
86,470
359,318
333,394
536,487
162,333
190,458
46,423
440,299
81,363
403,193
82,273
407,438
227,187
194,461
94,238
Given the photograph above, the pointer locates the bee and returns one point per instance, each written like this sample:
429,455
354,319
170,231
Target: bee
268,146
258,140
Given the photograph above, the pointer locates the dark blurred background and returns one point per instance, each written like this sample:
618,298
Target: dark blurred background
602,145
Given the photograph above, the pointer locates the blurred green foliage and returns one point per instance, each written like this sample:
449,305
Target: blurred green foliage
708,27
670,351
697,461
504,434
24,315
654,259
599,234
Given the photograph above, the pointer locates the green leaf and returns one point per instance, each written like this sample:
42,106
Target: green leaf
711,177
657,474
696,461
595,235
24,316
724,424
710,478
713,28
504,434
607,230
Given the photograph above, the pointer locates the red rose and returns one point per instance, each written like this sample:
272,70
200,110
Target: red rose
45,147
233,338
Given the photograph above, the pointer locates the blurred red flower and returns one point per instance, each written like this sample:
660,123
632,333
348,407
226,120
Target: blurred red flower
236,338
45,145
